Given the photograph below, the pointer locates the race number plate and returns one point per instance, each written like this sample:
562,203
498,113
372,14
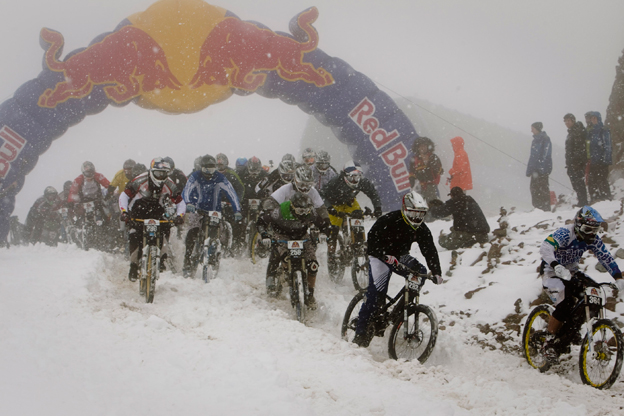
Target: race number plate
295,247
356,222
151,225
64,212
593,296
89,206
254,204
414,282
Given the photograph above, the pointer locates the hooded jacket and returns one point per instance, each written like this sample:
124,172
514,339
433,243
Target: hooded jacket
575,147
600,151
540,161
460,172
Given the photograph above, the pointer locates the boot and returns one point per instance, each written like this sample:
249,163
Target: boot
309,300
162,266
134,272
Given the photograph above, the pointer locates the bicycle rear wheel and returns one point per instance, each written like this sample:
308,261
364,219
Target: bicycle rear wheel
350,320
420,339
601,367
359,272
534,336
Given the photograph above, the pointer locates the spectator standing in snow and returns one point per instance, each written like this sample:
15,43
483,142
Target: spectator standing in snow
425,169
469,224
576,156
539,167
599,138
460,174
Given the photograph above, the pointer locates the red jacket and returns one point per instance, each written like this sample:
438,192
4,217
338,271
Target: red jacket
460,172
75,192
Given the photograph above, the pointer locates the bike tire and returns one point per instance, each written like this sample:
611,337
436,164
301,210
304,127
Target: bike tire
534,335
205,258
601,368
422,335
257,250
335,264
151,275
359,272
300,296
350,320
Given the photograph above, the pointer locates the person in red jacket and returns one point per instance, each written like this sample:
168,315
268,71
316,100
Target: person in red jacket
461,176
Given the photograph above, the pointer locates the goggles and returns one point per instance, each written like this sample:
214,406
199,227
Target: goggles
302,211
287,177
589,229
322,166
160,174
303,187
89,173
415,217
309,160
208,169
354,177
221,167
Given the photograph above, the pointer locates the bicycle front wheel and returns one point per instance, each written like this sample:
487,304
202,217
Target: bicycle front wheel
300,296
350,320
151,275
418,341
601,366
335,261
534,336
359,272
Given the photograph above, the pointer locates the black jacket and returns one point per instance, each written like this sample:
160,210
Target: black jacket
392,236
250,182
467,215
270,184
575,147
337,192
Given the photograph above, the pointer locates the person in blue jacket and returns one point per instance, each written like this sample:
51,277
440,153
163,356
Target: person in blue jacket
600,157
203,191
539,167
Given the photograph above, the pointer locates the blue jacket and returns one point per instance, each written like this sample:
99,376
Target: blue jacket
540,161
206,194
599,137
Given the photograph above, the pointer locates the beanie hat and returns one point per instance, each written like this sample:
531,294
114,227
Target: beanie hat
538,125
456,191
569,116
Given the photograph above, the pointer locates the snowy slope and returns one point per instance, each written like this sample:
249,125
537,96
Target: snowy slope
77,339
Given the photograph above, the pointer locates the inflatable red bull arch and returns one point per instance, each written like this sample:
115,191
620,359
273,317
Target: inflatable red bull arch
181,56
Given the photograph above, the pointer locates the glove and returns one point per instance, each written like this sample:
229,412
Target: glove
562,272
391,260
620,284
322,238
238,217
437,279
190,208
377,212
178,220
266,242
332,211
125,217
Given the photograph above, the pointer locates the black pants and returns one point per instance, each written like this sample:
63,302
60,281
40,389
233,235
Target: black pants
135,239
577,179
598,183
540,193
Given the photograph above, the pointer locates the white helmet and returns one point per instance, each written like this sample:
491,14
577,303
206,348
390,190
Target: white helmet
414,209
308,156
352,173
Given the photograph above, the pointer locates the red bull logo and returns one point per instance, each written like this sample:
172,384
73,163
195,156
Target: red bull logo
295,245
363,115
237,53
594,292
128,61
10,149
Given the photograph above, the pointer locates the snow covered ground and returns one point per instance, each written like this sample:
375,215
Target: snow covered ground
77,339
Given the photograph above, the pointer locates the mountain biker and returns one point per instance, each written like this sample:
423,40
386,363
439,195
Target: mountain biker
323,171
303,182
145,197
176,175
291,221
238,228
561,252
281,176
43,210
121,178
389,242
204,190
339,196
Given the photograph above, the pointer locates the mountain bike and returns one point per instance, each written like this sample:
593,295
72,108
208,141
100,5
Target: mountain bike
150,257
350,251
208,247
600,356
91,233
254,241
414,325
295,274
68,229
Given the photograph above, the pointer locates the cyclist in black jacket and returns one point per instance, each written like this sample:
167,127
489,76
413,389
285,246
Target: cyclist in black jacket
389,243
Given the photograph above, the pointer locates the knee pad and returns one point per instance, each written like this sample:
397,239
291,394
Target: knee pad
312,266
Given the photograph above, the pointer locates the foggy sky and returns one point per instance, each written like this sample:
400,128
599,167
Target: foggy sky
511,63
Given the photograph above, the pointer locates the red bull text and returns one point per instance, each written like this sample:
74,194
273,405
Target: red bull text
10,149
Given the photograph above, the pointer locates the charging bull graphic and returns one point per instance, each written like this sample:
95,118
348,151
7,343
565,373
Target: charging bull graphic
181,56
129,59
236,52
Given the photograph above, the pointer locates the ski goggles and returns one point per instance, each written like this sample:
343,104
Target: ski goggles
589,229
208,169
302,211
160,174
354,177
414,216
309,160
287,177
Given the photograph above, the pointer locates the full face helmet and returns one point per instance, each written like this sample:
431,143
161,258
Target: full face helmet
323,159
222,162
286,170
127,167
587,223
138,169
352,173
67,186
170,161
254,166
308,156
414,209
208,166
159,171
304,179
301,205
290,157
88,170
50,193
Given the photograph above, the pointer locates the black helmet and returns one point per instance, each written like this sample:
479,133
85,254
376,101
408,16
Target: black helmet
88,169
138,169
129,164
50,193
587,223
170,161
286,170
222,162
304,179
208,166
254,166
301,205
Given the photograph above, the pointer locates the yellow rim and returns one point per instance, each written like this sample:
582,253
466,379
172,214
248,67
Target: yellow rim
526,339
584,363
